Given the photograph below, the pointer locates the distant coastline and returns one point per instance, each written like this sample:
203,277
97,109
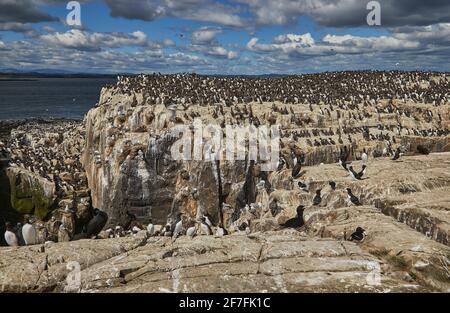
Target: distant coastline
32,76
6,79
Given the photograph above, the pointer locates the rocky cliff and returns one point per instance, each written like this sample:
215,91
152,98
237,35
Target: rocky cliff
121,159
129,138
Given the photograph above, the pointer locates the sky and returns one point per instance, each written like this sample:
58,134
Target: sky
250,37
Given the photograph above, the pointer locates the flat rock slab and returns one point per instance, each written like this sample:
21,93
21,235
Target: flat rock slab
43,268
282,261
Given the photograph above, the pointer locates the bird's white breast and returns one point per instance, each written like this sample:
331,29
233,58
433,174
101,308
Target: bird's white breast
11,239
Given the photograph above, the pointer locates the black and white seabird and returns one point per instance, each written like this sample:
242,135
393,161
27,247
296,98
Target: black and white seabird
204,226
178,229
317,198
343,157
332,185
281,163
364,156
191,232
150,228
297,221
10,236
97,223
396,155
28,232
221,231
358,234
353,199
296,169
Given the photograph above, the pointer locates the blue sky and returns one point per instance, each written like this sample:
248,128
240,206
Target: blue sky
224,37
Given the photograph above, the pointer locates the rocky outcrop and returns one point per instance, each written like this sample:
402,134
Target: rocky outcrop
30,194
128,159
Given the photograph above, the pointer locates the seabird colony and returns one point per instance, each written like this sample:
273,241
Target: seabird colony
352,104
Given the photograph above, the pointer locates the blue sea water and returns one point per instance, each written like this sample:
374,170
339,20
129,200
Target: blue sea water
69,98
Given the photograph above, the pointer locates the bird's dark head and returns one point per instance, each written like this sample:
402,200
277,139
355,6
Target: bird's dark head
360,230
332,184
364,167
349,190
300,208
350,168
8,226
318,191
26,219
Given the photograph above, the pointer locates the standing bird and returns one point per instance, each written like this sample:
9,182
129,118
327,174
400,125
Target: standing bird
364,156
280,164
332,185
358,235
63,234
28,232
396,155
297,221
167,232
192,231
204,226
353,199
208,220
10,236
150,228
343,157
317,198
221,231
178,231
296,169
97,223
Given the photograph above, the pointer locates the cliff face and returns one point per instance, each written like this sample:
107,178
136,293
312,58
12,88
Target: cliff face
129,166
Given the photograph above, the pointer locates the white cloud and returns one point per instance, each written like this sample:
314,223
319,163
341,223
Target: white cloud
83,40
302,40
298,45
205,35
29,56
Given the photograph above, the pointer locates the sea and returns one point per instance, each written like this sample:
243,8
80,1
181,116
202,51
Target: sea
49,98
